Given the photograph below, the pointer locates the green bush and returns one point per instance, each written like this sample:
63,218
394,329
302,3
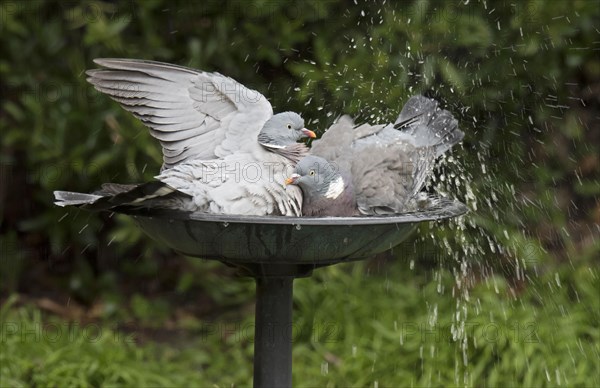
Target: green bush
516,75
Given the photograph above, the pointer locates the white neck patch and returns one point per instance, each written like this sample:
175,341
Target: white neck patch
271,145
335,188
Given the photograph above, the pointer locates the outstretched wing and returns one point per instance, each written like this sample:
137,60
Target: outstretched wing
194,114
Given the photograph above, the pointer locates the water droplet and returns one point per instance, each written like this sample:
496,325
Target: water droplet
82,229
225,224
298,227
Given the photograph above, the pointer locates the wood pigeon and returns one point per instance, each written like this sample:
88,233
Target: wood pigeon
223,149
381,168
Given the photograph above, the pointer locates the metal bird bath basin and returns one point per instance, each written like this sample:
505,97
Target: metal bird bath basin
275,250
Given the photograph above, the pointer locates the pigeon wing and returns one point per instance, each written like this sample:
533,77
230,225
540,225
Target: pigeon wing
338,140
335,142
247,183
193,114
386,177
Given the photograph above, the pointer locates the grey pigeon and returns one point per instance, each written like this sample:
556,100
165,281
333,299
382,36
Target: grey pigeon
388,165
326,191
223,149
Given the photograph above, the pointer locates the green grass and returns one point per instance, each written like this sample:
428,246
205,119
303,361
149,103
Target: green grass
352,327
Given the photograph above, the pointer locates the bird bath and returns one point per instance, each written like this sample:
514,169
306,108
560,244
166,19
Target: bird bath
274,250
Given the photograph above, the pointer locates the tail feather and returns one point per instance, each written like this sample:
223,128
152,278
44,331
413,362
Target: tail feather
428,125
114,188
69,198
112,196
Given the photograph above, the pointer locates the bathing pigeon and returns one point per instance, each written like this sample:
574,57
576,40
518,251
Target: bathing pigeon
223,149
327,191
387,165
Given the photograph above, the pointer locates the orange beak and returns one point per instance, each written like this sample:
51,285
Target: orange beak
292,179
309,133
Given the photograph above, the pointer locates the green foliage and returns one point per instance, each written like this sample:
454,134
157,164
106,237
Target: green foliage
403,329
516,75
390,328
56,353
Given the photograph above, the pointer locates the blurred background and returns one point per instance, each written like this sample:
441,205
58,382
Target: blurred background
507,295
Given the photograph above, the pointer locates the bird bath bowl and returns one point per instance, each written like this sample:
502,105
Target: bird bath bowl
275,250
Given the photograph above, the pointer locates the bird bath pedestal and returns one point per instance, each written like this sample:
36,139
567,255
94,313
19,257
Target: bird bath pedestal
275,250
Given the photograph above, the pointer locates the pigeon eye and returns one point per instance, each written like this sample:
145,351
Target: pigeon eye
289,126
311,173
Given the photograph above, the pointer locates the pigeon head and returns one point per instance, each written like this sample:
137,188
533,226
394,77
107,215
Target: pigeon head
317,177
326,191
282,130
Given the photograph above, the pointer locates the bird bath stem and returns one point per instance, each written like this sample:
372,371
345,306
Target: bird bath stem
273,332
275,250
273,336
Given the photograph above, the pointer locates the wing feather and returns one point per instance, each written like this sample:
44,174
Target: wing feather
193,114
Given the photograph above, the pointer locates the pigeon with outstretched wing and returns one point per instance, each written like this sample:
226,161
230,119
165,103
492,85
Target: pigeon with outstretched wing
223,149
